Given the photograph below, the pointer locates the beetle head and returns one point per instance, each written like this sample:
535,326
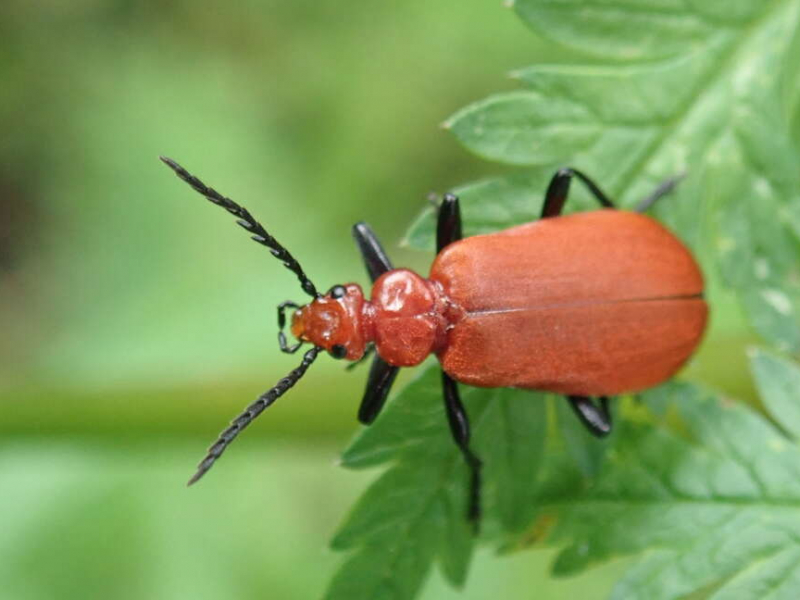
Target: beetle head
333,322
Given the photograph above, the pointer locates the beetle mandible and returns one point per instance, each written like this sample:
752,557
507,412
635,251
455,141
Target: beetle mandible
588,305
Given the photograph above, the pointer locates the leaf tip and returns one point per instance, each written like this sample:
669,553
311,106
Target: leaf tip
508,3
339,542
446,125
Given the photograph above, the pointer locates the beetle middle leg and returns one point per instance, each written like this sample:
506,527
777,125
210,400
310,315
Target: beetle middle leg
459,427
448,230
597,420
557,191
375,258
380,380
381,374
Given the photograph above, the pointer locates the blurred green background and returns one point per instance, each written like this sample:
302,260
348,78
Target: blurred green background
136,320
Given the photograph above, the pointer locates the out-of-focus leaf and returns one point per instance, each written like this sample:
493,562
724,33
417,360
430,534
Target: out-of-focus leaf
779,385
93,521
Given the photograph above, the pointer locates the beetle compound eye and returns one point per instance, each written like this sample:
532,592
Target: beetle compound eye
338,351
337,291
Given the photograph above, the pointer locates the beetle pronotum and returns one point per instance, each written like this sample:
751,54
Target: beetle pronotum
588,305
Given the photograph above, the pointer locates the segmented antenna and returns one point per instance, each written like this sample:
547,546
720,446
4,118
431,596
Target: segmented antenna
251,412
246,221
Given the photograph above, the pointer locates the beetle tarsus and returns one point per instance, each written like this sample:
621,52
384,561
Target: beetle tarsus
284,346
597,420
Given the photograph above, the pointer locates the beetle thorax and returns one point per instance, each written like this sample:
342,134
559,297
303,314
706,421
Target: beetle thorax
406,317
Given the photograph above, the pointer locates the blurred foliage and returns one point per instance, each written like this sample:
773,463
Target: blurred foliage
136,320
120,286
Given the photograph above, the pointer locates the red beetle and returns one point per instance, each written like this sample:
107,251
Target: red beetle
588,305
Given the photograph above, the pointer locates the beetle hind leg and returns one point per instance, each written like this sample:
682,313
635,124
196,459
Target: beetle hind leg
597,420
448,224
557,192
664,189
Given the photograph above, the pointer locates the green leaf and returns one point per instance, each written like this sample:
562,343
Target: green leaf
586,450
487,206
703,88
526,128
721,510
415,513
778,383
652,28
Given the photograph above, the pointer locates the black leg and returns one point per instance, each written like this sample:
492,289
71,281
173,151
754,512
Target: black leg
375,258
596,420
448,227
380,380
281,324
558,190
459,427
662,190
448,230
367,353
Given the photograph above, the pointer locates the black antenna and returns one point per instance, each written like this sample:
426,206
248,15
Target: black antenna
246,220
251,412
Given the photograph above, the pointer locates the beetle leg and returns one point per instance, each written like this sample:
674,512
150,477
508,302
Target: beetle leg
448,226
558,190
380,380
596,420
459,427
375,258
662,190
281,324
367,353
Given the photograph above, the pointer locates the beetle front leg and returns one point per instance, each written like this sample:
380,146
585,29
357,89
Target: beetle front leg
380,380
558,190
459,427
448,225
596,420
375,257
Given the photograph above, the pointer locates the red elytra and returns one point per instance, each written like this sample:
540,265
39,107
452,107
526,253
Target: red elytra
588,305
